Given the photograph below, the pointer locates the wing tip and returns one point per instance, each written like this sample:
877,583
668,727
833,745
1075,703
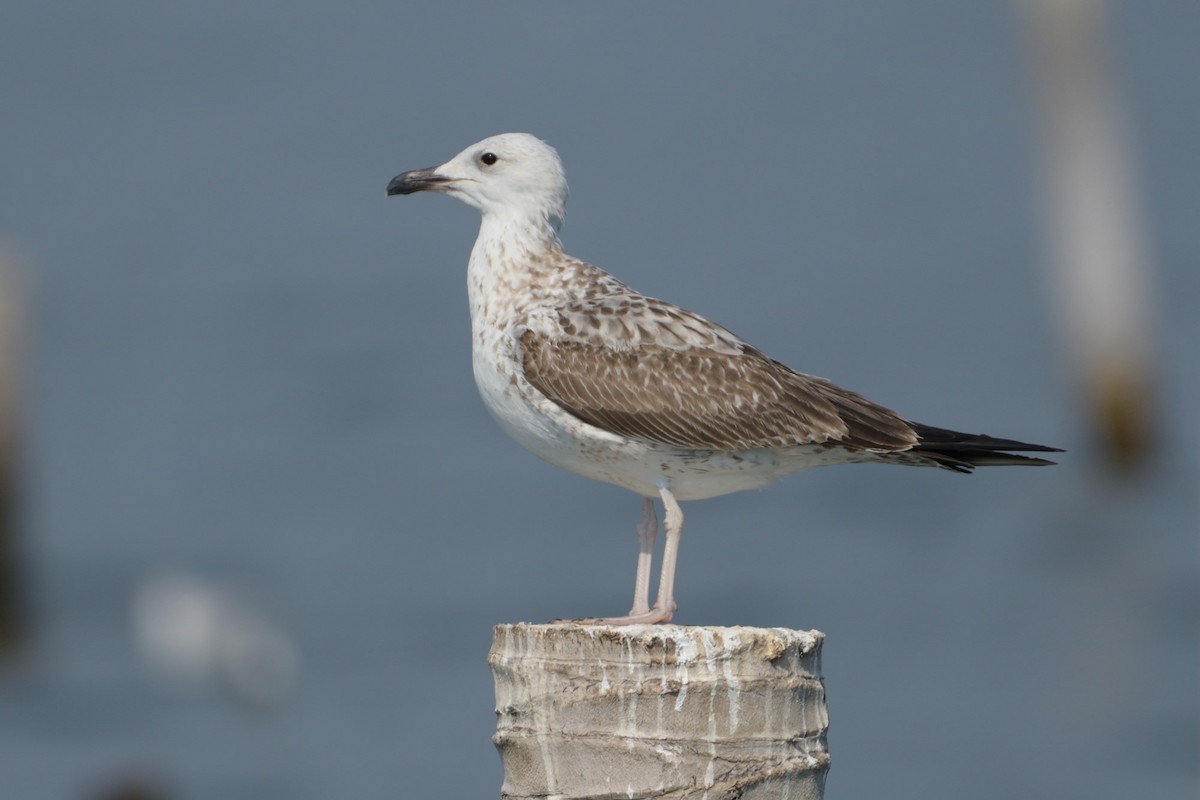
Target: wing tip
963,452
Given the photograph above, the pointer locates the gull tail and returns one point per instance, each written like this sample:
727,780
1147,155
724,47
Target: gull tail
963,452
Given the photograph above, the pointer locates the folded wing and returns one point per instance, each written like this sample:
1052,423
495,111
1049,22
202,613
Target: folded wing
705,398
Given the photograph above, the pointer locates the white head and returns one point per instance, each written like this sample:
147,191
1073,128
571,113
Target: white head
510,175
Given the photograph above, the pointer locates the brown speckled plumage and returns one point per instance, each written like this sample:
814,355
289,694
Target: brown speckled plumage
599,379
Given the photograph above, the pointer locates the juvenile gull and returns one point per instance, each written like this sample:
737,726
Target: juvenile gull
597,378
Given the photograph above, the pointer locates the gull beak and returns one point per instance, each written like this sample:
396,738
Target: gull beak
418,180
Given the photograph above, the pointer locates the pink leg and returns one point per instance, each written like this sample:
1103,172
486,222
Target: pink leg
673,523
647,531
664,606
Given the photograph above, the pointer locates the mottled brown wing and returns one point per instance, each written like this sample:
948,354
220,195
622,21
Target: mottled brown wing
700,398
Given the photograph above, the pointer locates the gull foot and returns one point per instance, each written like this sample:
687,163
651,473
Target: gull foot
654,616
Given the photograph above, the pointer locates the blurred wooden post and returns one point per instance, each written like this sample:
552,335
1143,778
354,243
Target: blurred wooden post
1098,252
661,711
11,623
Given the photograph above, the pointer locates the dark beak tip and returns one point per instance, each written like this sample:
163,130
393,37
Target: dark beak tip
399,185
417,180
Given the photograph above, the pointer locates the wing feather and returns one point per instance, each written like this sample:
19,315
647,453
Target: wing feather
700,397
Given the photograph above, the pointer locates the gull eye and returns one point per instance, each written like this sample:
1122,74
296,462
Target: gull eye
489,158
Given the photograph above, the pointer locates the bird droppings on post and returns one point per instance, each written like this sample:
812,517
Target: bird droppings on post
659,710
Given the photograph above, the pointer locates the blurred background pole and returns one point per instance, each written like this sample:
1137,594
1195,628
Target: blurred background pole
659,711
1102,270
11,622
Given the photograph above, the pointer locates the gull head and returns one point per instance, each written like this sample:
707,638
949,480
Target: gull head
510,175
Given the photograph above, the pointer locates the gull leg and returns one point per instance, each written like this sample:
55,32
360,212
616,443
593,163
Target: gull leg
664,606
647,531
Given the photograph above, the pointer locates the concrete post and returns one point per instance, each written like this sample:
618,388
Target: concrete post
661,711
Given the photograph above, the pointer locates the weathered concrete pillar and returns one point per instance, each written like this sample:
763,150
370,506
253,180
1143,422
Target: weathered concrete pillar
662,711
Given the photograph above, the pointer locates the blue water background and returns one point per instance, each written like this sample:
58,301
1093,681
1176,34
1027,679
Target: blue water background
248,366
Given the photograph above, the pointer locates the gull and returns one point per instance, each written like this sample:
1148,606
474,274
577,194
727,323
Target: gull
599,379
